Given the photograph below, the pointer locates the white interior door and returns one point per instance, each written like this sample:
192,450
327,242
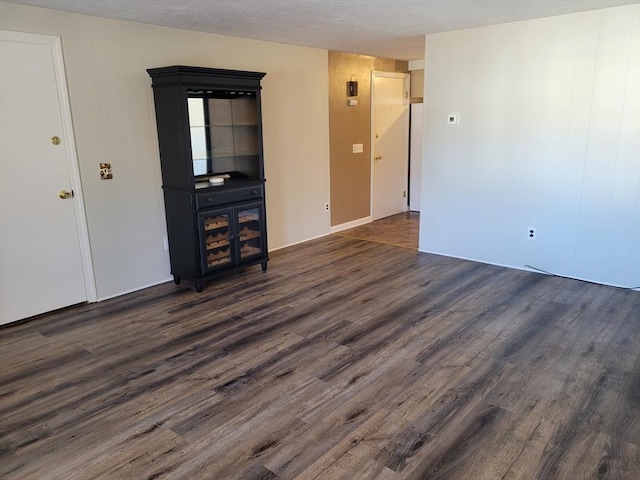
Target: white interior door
390,139
41,251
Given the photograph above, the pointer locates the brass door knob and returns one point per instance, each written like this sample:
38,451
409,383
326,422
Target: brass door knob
63,194
378,157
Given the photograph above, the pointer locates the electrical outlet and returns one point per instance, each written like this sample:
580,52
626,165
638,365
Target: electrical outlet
531,233
326,206
166,243
105,171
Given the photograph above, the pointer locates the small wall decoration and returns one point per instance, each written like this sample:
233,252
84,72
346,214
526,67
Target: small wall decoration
105,171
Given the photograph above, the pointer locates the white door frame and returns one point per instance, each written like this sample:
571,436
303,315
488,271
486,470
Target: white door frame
69,143
406,101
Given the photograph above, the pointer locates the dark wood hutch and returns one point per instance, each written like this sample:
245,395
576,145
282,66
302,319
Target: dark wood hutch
210,136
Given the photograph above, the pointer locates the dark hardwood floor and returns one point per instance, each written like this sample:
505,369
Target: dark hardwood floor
347,359
400,230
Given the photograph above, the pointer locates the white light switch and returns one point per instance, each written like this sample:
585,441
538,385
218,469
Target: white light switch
358,148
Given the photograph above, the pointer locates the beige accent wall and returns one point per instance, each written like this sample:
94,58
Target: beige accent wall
351,172
114,122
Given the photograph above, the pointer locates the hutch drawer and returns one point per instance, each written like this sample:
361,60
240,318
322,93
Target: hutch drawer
224,197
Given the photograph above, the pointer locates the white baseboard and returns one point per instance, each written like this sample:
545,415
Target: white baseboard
533,270
298,243
102,299
337,228
354,223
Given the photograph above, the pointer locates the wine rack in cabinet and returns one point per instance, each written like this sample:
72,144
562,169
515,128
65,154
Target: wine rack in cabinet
217,239
232,236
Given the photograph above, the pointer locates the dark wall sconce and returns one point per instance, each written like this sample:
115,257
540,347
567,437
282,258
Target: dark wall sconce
352,88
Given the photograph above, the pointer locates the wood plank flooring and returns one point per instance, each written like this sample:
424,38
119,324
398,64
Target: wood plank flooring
347,359
400,230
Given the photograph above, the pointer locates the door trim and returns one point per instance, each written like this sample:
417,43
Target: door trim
405,101
69,143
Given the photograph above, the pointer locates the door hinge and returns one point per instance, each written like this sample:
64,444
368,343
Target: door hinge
404,194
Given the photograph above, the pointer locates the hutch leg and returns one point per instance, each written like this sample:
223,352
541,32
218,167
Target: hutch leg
176,280
199,287
264,266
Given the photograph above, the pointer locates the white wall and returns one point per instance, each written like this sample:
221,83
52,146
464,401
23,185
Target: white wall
113,117
415,156
549,137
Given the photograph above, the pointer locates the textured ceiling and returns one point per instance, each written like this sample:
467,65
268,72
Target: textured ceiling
384,28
